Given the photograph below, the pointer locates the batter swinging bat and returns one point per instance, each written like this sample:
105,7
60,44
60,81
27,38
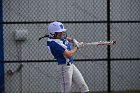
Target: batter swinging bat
92,43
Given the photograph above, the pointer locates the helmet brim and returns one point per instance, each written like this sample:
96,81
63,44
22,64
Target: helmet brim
62,30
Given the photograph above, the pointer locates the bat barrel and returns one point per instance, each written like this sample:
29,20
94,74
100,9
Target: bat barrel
101,43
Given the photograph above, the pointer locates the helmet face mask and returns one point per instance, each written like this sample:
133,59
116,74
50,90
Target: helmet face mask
54,28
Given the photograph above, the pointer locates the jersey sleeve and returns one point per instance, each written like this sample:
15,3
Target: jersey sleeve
59,48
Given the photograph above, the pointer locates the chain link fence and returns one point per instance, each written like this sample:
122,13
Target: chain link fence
86,20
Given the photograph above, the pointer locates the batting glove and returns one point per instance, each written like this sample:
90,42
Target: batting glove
78,44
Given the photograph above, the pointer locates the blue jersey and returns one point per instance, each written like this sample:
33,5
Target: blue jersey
57,48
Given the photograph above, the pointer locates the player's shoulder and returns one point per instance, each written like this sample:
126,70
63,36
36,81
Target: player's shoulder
51,43
54,42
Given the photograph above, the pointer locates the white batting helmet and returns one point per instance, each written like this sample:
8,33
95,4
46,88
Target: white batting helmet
55,27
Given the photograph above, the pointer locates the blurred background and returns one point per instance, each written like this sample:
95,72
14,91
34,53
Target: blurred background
27,66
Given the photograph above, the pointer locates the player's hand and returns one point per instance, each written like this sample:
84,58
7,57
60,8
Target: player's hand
78,44
81,45
69,39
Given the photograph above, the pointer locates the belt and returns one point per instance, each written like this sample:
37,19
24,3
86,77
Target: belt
67,63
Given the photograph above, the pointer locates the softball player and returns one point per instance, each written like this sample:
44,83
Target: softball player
60,47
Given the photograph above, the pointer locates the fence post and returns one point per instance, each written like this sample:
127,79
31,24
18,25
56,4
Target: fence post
1,51
108,49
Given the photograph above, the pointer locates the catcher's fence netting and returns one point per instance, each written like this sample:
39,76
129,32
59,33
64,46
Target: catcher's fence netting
29,67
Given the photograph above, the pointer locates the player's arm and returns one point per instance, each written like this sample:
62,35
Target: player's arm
70,53
77,45
69,39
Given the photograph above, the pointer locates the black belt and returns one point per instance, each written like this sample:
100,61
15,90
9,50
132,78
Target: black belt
68,63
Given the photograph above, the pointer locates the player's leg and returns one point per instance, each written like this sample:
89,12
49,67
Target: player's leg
78,79
65,78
